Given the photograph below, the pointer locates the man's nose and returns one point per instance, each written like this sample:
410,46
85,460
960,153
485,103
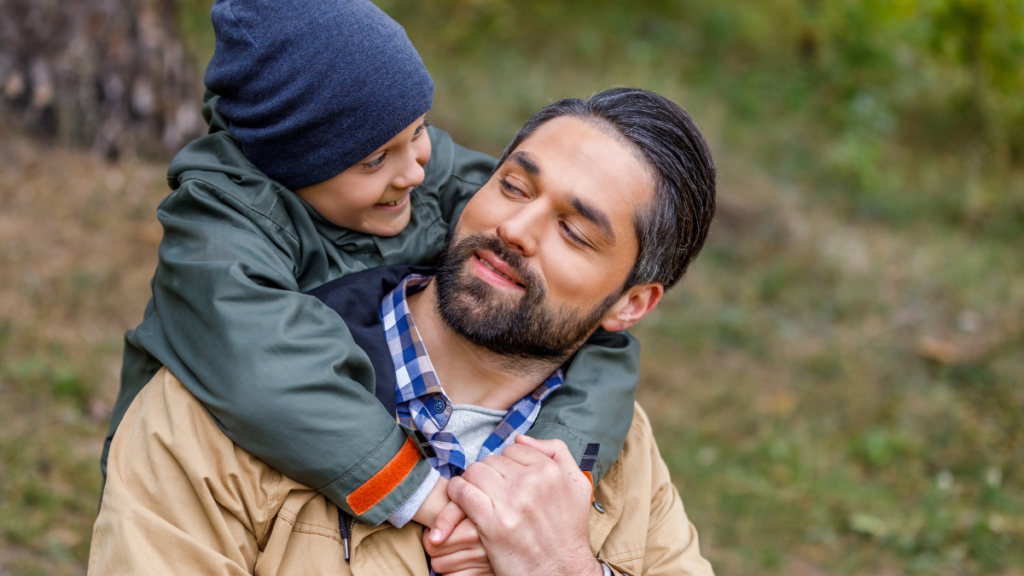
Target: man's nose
520,231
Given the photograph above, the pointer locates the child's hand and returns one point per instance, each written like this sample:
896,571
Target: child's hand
460,553
436,503
445,523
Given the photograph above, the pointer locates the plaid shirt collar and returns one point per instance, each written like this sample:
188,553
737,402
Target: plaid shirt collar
423,404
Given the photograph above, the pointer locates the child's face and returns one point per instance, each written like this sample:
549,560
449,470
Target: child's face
373,196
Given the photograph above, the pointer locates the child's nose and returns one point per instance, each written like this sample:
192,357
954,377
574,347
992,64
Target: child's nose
411,174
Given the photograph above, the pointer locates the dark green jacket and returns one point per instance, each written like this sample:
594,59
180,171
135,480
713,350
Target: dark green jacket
277,369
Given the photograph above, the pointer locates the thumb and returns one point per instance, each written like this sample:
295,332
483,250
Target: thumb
447,520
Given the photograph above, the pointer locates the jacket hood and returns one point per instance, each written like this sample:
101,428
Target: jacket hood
216,152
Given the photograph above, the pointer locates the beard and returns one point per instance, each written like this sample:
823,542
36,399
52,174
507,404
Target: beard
522,328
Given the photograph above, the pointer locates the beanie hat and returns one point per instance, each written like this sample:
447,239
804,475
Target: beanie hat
311,87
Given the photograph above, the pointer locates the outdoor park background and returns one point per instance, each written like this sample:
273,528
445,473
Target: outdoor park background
836,384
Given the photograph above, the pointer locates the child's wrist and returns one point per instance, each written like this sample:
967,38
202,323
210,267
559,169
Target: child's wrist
432,506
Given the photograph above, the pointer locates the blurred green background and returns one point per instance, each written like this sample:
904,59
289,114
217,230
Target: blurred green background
837,382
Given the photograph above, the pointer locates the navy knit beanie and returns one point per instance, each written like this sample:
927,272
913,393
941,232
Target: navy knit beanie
311,87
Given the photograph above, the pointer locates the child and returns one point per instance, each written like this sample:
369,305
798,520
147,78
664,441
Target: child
316,142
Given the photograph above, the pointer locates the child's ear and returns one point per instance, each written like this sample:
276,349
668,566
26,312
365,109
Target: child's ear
632,306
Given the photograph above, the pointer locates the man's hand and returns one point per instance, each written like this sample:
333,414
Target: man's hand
531,508
461,554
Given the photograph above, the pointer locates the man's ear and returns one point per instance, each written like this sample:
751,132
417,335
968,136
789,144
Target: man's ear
632,306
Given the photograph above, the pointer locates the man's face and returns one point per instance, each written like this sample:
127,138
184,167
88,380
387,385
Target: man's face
542,251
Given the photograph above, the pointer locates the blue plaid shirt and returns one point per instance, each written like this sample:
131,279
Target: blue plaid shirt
423,404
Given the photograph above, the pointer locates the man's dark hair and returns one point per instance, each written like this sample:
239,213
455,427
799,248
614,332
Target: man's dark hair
673,227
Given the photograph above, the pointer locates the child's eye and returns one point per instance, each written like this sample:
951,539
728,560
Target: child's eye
420,129
376,161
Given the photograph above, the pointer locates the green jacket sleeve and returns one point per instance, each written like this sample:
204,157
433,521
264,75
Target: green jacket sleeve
595,404
277,370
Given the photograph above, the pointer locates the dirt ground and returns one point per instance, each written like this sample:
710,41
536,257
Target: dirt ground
78,240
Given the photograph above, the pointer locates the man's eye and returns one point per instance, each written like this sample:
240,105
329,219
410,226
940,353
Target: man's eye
572,236
510,188
376,161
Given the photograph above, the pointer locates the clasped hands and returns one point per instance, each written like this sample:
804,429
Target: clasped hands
523,512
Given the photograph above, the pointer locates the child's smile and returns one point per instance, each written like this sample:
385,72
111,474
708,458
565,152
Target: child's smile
394,205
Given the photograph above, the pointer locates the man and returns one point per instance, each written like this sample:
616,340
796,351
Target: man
595,208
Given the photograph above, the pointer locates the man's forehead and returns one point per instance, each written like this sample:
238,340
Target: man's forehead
583,144
591,168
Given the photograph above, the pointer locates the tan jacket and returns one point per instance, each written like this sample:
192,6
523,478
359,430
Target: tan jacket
181,498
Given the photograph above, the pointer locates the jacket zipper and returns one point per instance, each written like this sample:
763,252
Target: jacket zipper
346,531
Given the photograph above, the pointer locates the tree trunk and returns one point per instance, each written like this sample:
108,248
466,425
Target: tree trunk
106,74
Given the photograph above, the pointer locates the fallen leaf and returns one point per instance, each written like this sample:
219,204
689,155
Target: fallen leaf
937,350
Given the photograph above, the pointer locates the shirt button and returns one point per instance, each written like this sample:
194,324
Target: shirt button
439,406
598,507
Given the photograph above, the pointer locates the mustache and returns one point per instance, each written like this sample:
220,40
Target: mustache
479,241
524,330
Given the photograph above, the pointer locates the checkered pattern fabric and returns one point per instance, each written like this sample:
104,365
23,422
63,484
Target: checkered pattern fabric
423,404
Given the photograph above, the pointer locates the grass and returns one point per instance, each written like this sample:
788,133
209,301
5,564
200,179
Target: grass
78,240
843,394
835,385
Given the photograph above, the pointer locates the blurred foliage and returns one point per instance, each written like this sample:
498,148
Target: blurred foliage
902,110
805,419
907,110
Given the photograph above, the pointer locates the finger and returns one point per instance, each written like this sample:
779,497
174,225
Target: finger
472,572
474,502
528,456
554,449
502,465
447,520
487,480
444,548
464,536
461,560
524,455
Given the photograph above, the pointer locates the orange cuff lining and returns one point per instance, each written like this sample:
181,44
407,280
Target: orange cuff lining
382,483
591,478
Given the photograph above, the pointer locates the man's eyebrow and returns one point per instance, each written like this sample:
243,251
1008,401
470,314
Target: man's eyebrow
598,218
524,161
